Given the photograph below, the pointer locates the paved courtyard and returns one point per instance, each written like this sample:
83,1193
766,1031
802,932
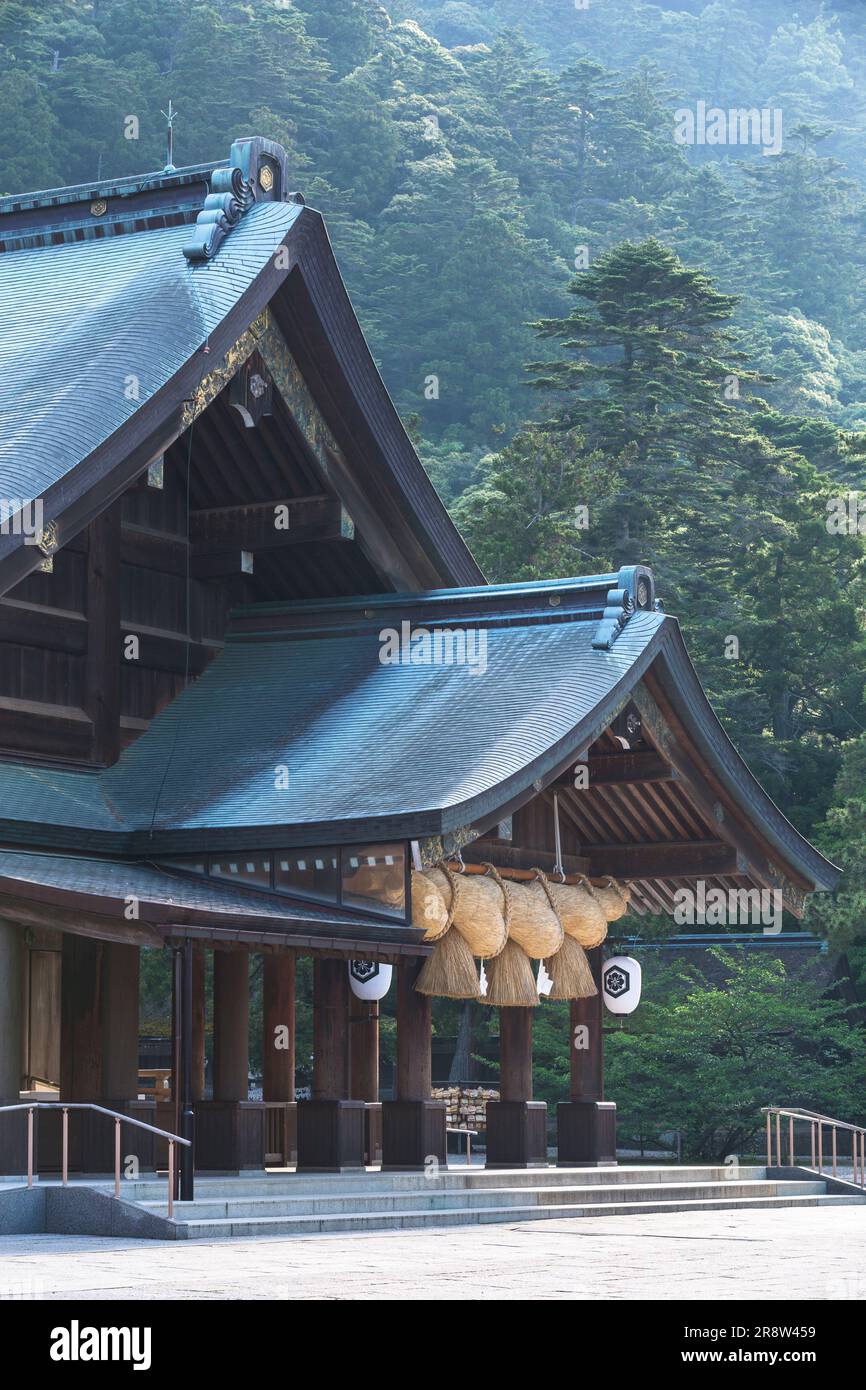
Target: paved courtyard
783,1254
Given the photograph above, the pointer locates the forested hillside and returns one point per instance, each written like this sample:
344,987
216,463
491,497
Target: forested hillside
610,345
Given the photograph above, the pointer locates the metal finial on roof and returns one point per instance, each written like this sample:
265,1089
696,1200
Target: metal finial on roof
169,157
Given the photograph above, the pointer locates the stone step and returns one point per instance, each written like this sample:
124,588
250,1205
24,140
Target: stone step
452,1179
319,1224
321,1203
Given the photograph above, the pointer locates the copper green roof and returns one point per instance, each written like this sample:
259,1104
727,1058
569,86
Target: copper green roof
117,300
299,733
110,322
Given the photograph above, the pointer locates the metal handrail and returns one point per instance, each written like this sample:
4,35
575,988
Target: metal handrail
469,1133
817,1125
119,1120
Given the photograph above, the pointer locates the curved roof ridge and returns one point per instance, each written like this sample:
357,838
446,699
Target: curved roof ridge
123,184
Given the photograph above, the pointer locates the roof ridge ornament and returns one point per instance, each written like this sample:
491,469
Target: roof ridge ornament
635,590
230,197
254,173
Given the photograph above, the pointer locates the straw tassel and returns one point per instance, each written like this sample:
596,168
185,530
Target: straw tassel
568,967
450,972
510,981
570,972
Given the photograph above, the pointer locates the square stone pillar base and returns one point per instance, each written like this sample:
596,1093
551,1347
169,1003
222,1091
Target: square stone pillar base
516,1134
413,1132
331,1135
229,1136
586,1133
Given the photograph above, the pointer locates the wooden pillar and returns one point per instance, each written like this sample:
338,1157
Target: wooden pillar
11,1003
40,1013
120,975
230,1129
413,1124
330,1126
82,1054
587,1051
182,1043
364,1071
199,1019
13,1142
414,1036
278,1059
81,1045
278,1028
516,1124
231,1025
330,1030
515,1054
363,1049
586,1124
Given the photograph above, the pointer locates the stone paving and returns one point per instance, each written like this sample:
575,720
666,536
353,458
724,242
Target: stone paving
817,1253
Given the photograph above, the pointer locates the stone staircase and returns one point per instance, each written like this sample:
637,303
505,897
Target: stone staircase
290,1204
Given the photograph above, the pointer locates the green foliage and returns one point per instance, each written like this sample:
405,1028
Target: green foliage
842,917
526,516
703,1059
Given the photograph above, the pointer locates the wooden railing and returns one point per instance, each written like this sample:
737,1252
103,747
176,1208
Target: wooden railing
32,1106
823,1141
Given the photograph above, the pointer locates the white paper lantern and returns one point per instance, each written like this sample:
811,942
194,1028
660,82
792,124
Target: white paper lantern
370,979
620,984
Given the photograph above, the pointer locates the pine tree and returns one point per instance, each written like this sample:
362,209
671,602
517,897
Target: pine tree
649,355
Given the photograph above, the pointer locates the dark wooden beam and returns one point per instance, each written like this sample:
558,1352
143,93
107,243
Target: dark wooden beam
167,651
211,563
31,913
259,525
663,859
62,732
620,768
506,856
35,626
146,548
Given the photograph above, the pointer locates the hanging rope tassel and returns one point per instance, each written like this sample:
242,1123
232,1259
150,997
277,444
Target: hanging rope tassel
450,972
510,981
570,972
568,968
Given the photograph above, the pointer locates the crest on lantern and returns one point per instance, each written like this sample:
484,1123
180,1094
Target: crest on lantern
370,979
621,984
